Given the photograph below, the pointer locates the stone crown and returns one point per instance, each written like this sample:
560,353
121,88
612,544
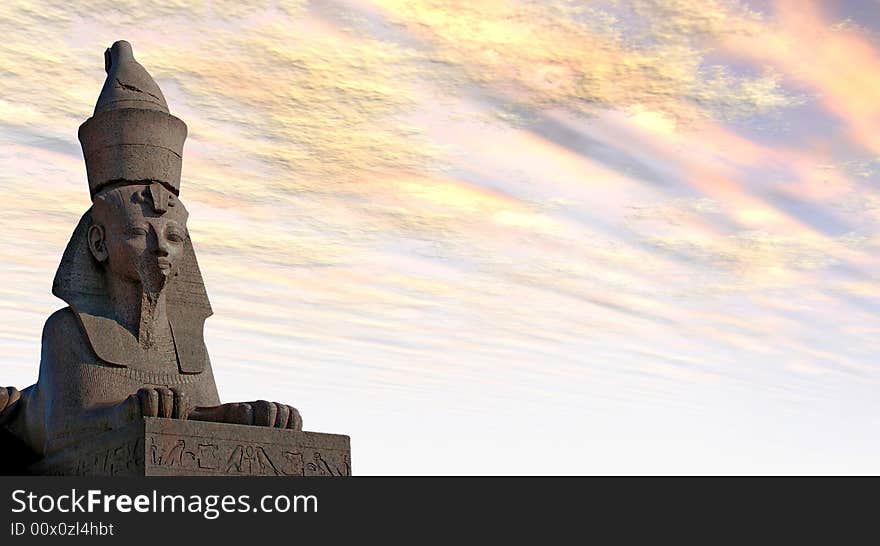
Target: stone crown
131,137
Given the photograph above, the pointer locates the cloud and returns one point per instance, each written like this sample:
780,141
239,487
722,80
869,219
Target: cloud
839,65
542,55
676,211
439,204
759,259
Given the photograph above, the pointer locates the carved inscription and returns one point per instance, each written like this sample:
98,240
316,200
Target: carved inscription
123,459
162,447
322,467
198,455
236,458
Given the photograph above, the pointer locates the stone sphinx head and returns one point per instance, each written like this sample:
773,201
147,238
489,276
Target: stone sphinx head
135,233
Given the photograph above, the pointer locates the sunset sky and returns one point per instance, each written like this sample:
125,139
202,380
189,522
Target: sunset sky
497,237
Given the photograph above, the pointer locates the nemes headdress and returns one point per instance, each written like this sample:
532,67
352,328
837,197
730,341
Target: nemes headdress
131,139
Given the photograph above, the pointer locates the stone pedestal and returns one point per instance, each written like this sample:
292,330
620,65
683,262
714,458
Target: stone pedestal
170,447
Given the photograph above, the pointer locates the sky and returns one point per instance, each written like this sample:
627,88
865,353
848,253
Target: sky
497,237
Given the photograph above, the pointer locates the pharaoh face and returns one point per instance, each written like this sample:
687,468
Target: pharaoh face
139,232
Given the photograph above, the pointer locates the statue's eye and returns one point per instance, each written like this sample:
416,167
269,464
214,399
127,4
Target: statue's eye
137,232
176,236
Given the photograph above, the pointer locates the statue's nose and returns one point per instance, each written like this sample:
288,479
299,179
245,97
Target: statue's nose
160,244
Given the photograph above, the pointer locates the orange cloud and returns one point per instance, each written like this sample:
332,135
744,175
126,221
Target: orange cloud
841,65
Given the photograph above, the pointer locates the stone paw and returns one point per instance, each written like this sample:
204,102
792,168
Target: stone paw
8,397
163,402
265,414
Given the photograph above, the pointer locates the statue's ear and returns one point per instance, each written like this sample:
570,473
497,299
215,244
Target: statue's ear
98,242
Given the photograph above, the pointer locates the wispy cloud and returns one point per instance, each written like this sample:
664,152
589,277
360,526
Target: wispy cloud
549,216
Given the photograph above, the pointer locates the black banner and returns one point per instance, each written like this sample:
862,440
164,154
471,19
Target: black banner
331,510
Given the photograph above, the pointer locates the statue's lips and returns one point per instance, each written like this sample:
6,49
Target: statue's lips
164,264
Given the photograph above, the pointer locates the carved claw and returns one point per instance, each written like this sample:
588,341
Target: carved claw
165,402
8,397
273,414
259,413
295,422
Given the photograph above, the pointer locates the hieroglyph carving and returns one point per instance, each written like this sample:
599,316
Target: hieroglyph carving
202,456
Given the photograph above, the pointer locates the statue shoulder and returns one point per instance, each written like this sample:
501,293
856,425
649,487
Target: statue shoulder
62,329
60,321
63,344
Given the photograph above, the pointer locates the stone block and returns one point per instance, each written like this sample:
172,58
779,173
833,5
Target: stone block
171,447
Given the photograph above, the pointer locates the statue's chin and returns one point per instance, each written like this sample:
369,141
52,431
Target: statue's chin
154,282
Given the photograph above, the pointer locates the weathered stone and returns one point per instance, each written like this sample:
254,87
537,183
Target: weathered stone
169,447
130,345
131,136
136,145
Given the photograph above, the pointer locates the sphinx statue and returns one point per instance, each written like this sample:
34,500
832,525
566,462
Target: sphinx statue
130,343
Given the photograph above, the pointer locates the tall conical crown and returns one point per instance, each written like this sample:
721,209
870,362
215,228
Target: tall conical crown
128,84
131,137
